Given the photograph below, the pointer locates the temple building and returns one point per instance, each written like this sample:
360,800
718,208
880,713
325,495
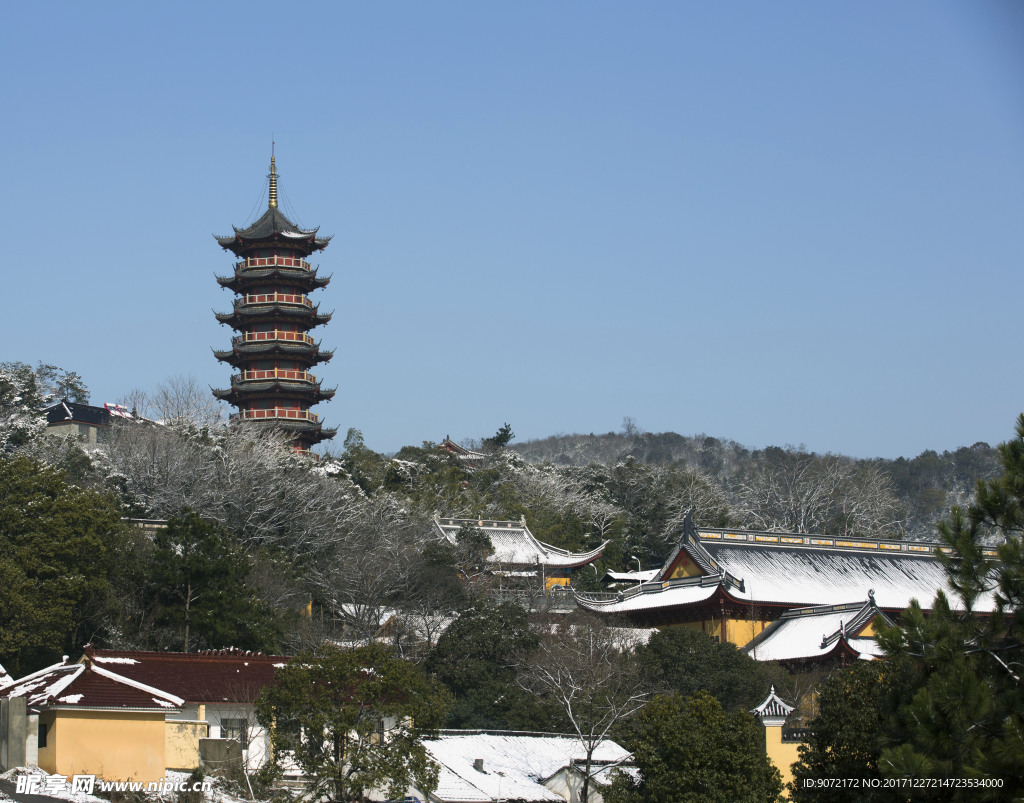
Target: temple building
799,599
273,351
516,552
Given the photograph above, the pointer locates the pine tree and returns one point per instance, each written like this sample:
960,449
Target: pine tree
960,714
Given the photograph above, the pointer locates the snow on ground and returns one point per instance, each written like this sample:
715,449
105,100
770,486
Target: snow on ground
220,793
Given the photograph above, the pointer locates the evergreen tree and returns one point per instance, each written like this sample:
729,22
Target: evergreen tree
960,715
57,556
353,721
685,661
199,589
476,659
845,740
689,750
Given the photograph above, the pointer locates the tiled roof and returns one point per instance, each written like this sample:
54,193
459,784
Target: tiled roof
72,411
513,544
826,576
273,223
198,677
514,765
773,707
816,633
82,686
649,596
791,570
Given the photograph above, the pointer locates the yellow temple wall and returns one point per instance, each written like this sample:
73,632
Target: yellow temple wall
116,746
782,754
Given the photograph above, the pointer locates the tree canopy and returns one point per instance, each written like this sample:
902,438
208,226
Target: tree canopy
59,550
684,660
690,750
353,721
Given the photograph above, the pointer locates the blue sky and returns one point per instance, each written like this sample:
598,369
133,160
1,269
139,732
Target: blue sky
779,223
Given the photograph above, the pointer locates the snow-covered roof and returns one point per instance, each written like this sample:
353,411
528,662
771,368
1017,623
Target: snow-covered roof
651,595
513,544
513,766
773,707
792,570
815,633
825,575
85,686
5,678
631,577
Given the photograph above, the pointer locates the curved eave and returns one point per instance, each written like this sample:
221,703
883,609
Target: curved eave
306,279
655,598
305,430
240,243
247,389
246,314
557,559
240,355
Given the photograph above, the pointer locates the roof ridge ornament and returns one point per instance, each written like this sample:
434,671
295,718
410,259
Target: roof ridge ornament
273,178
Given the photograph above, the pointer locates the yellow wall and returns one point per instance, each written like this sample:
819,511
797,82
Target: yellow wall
782,754
182,743
115,745
740,630
48,755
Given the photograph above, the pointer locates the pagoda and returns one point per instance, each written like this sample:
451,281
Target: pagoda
273,351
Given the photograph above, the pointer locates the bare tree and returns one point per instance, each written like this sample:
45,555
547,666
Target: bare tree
805,493
182,401
585,668
691,488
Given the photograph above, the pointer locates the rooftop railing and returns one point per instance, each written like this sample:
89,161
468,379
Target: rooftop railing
273,262
276,334
274,298
274,373
281,412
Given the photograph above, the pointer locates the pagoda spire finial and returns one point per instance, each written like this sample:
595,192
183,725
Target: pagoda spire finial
273,178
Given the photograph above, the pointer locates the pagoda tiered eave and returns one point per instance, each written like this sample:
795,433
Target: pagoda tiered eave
242,352
245,278
247,314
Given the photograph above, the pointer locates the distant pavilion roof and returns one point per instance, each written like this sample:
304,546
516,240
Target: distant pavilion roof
513,544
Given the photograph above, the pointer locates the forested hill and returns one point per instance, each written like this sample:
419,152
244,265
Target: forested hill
925,486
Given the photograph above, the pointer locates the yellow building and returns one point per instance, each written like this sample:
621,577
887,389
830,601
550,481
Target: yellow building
733,584
782,752
83,719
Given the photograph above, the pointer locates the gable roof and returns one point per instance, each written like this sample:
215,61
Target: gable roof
81,686
513,544
68,411
514,765
231,676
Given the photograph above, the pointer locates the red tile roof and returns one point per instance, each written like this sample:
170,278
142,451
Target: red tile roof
85,686
220,676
